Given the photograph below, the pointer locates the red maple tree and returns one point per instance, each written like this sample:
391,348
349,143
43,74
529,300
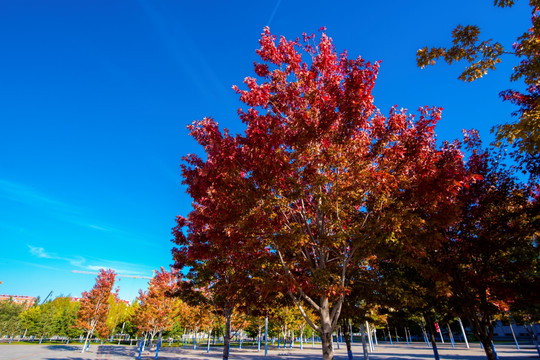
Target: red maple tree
319,178
491,255
158,309
92,315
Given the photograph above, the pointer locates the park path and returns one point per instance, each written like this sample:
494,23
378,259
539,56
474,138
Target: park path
382,352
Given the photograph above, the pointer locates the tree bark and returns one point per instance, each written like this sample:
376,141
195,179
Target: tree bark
326,331
431,335
227,313
364,344
347,335
484,331
533,337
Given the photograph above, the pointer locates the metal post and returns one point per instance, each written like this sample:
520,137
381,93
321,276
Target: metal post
266,336
451,335
514,335
370,339
406,337
464,334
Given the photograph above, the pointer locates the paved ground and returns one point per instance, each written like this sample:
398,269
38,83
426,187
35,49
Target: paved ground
382,352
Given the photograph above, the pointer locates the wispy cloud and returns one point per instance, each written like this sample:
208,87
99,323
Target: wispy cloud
269,22
116,270
60,210
26,195
40,252
93,264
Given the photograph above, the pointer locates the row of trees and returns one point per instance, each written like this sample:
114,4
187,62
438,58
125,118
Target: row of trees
155,312
344,211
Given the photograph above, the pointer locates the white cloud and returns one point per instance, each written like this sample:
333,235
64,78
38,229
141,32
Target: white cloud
39,252
80,262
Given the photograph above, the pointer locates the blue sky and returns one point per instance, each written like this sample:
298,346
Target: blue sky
95,97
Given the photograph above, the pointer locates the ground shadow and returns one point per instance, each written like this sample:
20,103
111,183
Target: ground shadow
59,347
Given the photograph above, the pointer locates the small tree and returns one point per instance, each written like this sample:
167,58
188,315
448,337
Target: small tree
118,313
158,309
92,315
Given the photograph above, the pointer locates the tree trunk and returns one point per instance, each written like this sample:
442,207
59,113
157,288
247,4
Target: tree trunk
530,331
326,331
347,336
227,313
364,344
88,333
158,345
484,331
259,339
431,335
489,349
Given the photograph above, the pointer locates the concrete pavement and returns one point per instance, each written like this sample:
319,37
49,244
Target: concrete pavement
382,352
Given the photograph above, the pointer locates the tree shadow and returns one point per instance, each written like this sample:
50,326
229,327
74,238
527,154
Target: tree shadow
63,347
99,350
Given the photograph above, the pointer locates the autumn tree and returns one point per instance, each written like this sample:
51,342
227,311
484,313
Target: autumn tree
484,56
491,256
158,308
318,176
226,267
92,315
216,288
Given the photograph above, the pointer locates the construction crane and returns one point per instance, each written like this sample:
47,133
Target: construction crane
48,296
119,275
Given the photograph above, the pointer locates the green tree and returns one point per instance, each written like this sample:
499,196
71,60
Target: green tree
483,56
9,317
55,317
65,314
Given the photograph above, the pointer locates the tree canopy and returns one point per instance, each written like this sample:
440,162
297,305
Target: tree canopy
483,56
317,180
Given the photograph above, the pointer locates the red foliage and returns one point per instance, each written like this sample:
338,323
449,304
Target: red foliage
319,178
95,304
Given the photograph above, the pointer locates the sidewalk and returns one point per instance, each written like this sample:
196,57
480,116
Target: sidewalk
382,352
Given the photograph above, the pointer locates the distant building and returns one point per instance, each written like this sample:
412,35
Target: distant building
26,301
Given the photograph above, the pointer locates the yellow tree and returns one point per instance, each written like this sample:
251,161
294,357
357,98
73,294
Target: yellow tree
118,312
